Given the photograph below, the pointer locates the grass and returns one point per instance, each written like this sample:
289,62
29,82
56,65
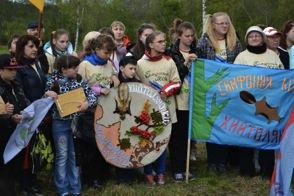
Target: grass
205,184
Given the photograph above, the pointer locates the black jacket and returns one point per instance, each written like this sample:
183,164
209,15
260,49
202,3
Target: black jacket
13,94
178,58
33,83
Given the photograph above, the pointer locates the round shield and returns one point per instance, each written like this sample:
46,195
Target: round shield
132,125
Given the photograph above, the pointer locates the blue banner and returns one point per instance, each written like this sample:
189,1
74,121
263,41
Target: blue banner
239,105
31,119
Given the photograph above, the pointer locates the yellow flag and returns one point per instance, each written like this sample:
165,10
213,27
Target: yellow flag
38,4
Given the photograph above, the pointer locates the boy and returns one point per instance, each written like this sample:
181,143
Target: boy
127,69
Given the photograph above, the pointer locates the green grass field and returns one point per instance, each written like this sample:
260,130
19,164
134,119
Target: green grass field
205,183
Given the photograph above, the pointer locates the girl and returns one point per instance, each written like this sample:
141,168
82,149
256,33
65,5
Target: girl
98,71
219,42
183,52
158,67
59,45
143,31
64,79
287,40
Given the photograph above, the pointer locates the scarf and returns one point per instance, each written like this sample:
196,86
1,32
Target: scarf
156,58
95,60
257,49
55,52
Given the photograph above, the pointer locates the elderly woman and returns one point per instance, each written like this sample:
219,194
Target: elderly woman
257,54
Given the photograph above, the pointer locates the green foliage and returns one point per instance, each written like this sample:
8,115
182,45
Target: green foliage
43,150
95,14
202,122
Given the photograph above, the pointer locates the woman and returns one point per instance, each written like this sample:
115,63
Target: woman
161,69
13,100
287,40
220,43
257,54
122,42
59,45
143,31
33,81
183,52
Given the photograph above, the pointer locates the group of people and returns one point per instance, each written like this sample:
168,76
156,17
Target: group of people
35,69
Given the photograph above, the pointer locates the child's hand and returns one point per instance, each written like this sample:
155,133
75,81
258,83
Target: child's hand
104,91
16,118
51,94
115,80
163,96
84,106
192,57
9,108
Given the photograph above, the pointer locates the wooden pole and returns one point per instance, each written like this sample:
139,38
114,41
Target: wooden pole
191,84
188,160
40,21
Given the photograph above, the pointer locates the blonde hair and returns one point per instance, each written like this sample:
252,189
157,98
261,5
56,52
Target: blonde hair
88,37
118,23
231,37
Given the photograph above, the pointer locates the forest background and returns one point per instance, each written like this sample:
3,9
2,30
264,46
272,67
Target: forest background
94,14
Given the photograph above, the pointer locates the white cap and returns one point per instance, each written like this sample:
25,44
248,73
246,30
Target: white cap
271,31
254,29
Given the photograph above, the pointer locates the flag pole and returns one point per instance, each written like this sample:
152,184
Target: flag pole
191,88
39,4
40,25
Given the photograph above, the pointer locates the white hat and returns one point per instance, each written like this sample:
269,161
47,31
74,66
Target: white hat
271,31
89,36
254,29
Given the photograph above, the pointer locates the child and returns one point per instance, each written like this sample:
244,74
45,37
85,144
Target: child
98,71
127,69
155,66
59,45
64,79
127,73
183,52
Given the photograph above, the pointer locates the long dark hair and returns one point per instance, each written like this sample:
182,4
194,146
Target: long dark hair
139,48
288,25
66,62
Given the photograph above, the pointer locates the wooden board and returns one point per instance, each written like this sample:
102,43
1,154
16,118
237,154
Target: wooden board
132,125
68,103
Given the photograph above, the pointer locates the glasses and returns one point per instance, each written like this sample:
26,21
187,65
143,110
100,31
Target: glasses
254,36
222,23
160,42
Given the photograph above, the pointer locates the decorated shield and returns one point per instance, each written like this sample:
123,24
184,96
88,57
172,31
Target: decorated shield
132,125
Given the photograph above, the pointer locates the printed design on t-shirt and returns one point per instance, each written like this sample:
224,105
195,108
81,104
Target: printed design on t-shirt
103,81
